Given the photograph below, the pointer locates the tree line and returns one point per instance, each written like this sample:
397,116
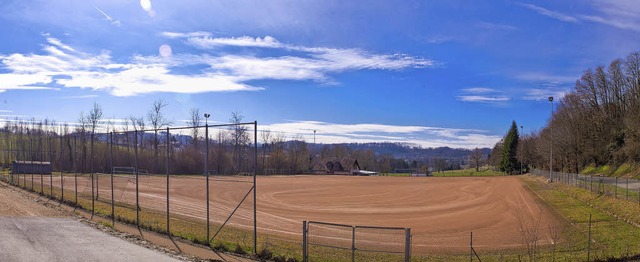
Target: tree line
597,123
143,141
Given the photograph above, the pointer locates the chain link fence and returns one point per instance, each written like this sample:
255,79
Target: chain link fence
618,188
337,242
196,183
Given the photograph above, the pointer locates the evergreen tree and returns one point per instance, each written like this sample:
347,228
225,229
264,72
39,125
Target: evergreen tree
509,163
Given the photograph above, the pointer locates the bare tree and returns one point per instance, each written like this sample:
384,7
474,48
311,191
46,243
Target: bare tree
194,122
138,124
157,120
240,139
94,117
266,139
82,130
476,158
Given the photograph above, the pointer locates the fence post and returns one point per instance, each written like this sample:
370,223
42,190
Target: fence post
50,163
471,246
407,246
616,189
60,166
627,191
589,243
93,200
353,243
304,241
42,173
167,170
206,173
135,150
113,209
255,194
75,170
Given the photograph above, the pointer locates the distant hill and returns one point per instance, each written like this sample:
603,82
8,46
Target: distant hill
411,152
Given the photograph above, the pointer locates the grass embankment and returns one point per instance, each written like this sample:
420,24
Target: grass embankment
610,236
626,170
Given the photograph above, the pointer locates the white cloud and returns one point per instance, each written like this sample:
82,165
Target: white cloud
483,99
64,66
364,133
244,41
6,111
482,95
173,35
479,90
496,26
614,21
552,14
543,77
623,14
539,94
79,97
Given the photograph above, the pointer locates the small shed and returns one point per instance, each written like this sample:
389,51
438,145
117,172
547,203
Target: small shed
31,167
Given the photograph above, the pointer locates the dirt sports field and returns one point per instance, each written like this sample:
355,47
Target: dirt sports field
440,211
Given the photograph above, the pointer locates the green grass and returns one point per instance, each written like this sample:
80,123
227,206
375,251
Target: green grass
468,172
611,237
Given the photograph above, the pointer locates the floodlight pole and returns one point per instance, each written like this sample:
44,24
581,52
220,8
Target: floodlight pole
206,168
551,144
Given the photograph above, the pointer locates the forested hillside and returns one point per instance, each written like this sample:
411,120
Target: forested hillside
596,124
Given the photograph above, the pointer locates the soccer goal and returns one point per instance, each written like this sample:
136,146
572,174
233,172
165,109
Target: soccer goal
124,170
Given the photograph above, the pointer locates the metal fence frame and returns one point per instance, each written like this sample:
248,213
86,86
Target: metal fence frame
354,229
20,151
619,188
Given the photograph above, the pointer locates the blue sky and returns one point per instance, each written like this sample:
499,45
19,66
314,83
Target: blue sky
433,73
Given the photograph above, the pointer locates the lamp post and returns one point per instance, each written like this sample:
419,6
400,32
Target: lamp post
551,144
206,167
521,153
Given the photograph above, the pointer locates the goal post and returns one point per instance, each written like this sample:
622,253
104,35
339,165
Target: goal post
128,170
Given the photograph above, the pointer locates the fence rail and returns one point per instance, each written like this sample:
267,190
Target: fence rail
619,188
358,242
139,176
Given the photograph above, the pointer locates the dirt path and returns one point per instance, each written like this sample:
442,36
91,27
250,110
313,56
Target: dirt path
13,204
33,230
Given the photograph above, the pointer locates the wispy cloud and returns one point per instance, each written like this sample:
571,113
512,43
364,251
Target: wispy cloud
6,111
539,94
482,95
113,21
483,99
185,35
363,133
64,66
205,42
550,13
496,26
79,97
544,77
479,90
619,14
